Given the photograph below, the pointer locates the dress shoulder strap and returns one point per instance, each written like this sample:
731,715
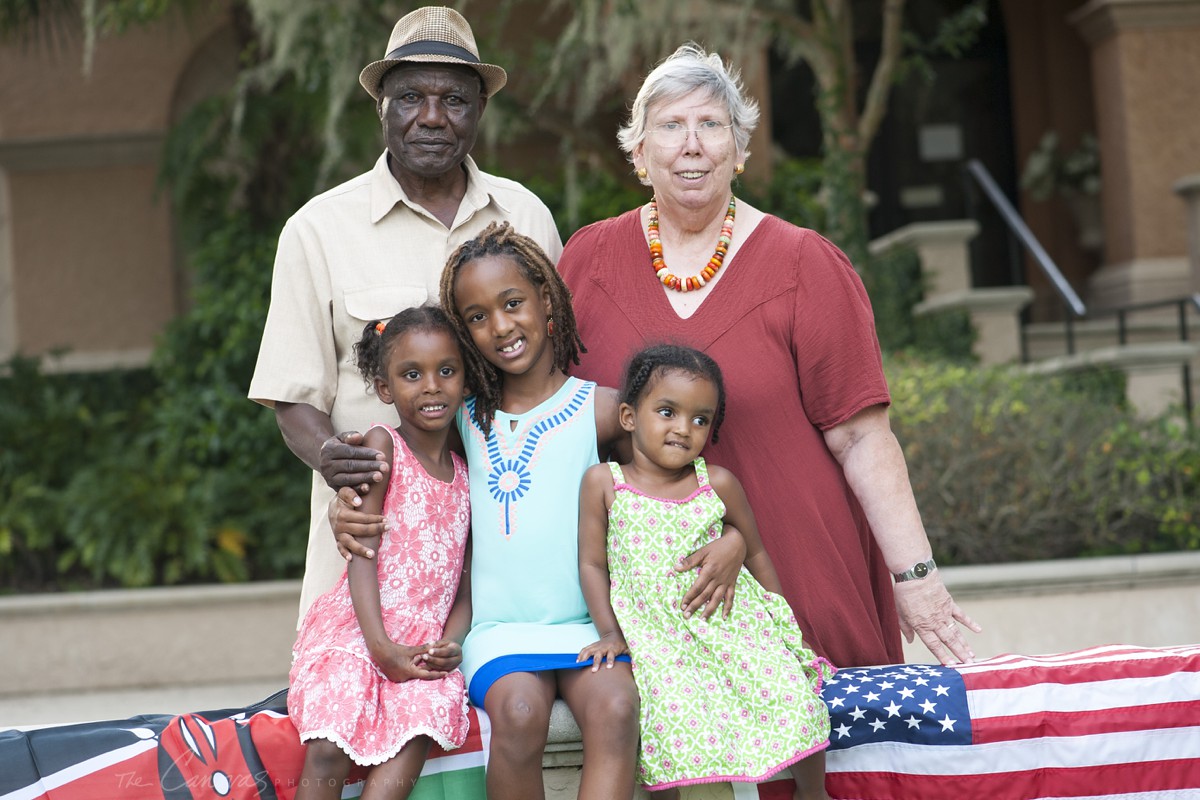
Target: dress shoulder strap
615,469
701,471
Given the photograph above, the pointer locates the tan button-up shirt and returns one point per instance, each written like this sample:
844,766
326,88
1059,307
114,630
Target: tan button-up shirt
359,252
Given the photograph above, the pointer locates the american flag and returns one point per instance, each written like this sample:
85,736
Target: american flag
1110,722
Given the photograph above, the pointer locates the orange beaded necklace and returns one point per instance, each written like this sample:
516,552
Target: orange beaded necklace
696,281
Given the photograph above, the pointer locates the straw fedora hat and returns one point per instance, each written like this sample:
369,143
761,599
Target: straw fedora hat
435,35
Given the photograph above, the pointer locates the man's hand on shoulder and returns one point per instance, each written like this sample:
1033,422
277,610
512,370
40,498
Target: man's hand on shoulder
345,462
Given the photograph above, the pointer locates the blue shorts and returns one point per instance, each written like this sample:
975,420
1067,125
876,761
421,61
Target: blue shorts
497,668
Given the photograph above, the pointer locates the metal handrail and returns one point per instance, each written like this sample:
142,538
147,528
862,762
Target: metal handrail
1020,230
1186,300
1071,302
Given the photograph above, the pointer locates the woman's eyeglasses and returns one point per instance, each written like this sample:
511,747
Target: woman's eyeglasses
674,134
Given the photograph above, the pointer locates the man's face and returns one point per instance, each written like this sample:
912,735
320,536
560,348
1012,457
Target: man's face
430,115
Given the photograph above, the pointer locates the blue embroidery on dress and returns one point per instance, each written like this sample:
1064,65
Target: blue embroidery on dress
509,478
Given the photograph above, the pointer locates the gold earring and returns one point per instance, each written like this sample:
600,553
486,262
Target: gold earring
739,169
641,173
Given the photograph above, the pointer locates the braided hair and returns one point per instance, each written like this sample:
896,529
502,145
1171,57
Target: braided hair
499,239
662,358
373,348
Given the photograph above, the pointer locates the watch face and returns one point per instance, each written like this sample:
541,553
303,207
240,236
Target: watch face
921,570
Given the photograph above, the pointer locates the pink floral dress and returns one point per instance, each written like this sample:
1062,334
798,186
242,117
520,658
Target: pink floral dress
336,691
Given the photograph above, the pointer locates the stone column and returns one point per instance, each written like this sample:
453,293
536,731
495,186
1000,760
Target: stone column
1145,56
8,296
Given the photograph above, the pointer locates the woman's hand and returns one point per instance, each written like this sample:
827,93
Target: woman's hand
717,565
604,651
926,609
400,663
349,524
443,656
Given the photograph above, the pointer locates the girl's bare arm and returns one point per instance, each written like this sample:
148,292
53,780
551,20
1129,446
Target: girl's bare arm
595,499
399,662
739,514
363,574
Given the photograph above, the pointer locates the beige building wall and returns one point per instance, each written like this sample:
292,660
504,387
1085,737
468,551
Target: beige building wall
104,282
86,254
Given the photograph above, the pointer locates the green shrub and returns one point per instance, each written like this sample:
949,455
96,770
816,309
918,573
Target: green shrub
51,428
794,193
1008,466
1145,483
250,487
600,195
156,476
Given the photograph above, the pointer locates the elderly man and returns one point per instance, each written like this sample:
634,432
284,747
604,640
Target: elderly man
374,246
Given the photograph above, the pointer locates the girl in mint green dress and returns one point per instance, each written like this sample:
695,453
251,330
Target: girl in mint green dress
733,698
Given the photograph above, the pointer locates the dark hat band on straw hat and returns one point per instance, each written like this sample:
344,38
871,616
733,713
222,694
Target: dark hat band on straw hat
428,47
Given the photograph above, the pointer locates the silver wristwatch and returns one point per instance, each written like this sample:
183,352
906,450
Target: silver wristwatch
915,572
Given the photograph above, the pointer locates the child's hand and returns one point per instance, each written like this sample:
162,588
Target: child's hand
606,650
443,656
400,663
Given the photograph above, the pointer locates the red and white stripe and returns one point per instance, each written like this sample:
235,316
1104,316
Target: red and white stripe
1115,722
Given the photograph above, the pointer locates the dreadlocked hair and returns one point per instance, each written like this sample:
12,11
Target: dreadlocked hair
663,358
499,239
372,349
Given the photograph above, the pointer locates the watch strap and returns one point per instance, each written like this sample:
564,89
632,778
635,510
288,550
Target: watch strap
917,571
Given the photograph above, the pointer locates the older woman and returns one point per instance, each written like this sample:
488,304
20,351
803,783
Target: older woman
782,311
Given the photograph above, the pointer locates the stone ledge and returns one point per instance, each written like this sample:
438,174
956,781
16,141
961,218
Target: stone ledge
1005,299
917,233
1075,575
201,635
144,638
159,597
1127,357
1150,323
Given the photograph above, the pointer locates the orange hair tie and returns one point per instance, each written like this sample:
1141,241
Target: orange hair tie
379,326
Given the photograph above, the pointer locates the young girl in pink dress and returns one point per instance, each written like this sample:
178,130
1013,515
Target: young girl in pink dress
374,676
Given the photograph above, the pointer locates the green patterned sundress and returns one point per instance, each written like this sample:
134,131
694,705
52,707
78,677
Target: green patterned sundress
721,700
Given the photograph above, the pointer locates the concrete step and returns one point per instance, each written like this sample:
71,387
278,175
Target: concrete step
1048,339
1152,357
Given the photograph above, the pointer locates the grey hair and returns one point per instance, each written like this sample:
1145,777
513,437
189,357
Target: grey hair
687,69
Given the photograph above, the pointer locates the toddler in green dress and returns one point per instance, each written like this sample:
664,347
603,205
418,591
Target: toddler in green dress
729,698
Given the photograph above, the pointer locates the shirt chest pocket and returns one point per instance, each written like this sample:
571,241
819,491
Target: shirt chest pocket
379,303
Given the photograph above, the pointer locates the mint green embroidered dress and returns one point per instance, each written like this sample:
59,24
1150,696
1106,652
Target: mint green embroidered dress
722,700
